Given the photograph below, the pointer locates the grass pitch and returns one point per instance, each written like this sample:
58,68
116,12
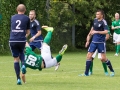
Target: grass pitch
66,78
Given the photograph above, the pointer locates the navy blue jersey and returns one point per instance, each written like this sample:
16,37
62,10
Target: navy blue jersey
34,28
19,24
99,26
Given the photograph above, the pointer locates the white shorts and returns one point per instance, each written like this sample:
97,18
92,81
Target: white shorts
116,38
46,55
95,53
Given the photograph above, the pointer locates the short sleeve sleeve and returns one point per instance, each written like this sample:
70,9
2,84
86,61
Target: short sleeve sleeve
105,26
28,24
113,24
38,27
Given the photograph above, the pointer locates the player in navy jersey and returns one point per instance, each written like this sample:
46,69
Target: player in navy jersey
35,31
20,25
99,31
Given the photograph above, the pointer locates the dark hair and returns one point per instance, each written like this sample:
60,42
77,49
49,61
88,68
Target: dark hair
102,12
33,11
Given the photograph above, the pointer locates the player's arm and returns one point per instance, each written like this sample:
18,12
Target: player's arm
27,45
107,37
99,32
38,32
113,26
105,29
88,38
28,28
27,33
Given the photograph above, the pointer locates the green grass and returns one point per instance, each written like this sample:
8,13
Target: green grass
66,78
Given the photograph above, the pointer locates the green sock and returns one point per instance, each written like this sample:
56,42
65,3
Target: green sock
59,57
115,47
118,48
91,67
104,66
48,37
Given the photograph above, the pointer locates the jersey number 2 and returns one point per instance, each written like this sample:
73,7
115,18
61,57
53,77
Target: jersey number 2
31,60
18,25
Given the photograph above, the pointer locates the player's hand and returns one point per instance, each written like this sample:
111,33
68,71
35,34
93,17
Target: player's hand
86,45
117,27
32,39
94,32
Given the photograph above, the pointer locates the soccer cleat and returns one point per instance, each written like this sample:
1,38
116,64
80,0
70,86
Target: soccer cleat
48,28
19,82
116,54
90,73
23,69
57,66
112,74
83,75
106,73
61,52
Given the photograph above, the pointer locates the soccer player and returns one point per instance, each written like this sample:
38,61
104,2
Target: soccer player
44,60
99,31
36,37
35,31
89,36
116,35
20,25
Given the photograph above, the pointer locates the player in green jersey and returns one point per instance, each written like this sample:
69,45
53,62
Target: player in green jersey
34,61
116,35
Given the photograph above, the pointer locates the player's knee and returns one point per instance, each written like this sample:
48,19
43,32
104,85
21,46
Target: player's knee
89,56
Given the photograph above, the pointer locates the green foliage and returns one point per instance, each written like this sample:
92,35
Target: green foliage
61,15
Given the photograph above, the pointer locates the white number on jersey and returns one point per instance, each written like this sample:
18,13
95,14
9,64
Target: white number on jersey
18,25
31,60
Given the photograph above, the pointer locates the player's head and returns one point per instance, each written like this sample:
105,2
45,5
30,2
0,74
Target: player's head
32,14
21,8
100,14
117,16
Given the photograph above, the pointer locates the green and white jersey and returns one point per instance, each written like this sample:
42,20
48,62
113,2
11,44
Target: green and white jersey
32,60
114,24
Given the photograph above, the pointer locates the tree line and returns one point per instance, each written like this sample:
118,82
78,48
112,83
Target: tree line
62,15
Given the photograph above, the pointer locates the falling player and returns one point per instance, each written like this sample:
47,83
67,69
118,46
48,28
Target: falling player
44,60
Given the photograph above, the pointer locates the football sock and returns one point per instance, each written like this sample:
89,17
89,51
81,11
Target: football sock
17,69
88,64
117,49
59,57
22,58
108,63
91,67
104,66
48,37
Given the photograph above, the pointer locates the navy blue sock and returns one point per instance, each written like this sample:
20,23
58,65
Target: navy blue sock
109,65
17,69
22,58
88,64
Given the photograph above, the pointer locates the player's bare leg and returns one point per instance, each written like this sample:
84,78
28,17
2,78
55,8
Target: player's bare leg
23,78
57,66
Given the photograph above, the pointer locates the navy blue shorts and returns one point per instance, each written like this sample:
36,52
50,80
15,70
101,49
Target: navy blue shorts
35,45
100,46
17,48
